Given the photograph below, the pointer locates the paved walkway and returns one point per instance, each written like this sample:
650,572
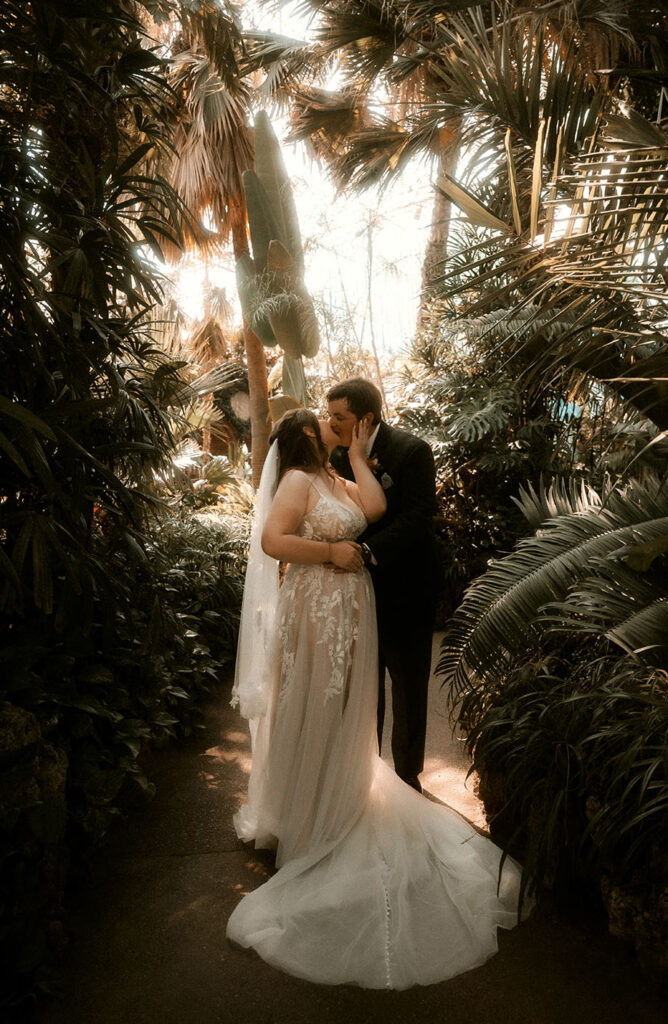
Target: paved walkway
149,945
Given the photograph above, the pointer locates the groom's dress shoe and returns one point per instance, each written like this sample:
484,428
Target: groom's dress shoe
414,782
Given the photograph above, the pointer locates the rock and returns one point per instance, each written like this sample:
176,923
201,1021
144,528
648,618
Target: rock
52,771
638,913
18,728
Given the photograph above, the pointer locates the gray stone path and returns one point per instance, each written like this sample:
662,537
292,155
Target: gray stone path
148,943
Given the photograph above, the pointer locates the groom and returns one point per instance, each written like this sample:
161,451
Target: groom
400,552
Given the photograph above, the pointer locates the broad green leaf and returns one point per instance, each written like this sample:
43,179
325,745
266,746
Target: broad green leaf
19,412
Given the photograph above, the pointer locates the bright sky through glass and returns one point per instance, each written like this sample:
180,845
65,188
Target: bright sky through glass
335,233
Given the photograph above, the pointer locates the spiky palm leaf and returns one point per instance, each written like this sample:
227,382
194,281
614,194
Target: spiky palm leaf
285,61
600,282
449,60
209,345
215,146
213,142
561,498
626,607
205,383
501,608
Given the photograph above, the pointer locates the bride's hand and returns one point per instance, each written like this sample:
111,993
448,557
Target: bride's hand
360,440
347,555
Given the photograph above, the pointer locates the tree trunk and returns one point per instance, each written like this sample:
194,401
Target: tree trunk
436,250
369,237
258,391
256,362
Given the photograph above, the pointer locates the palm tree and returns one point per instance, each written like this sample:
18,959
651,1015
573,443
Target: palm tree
426,66
380,50
573,202
213,147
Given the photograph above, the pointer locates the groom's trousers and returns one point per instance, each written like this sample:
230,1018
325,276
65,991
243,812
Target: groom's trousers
404,649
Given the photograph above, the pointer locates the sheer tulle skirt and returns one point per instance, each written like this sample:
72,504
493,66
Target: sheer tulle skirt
407,897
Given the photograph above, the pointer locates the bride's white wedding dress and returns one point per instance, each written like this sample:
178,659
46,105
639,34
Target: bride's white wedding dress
377,885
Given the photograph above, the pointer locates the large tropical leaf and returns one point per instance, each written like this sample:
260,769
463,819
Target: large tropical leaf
213,144
501,608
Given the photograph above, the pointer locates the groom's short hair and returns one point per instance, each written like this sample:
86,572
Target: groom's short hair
361,395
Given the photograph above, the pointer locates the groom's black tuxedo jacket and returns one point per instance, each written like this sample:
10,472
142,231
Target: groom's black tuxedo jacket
407,577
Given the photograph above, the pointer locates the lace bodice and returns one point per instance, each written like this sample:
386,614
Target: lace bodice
325,598
331,520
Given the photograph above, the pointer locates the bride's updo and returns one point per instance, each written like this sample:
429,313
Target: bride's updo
297,450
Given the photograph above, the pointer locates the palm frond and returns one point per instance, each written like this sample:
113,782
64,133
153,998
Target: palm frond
500,608
284,60
206,383
561,498
324,119
599,282
214,143
209,345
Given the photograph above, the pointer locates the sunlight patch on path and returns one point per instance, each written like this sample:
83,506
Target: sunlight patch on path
445,763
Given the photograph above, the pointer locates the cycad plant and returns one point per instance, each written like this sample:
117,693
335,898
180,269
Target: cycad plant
557,662
595,567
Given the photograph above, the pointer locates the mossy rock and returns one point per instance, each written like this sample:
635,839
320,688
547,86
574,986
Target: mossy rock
638,913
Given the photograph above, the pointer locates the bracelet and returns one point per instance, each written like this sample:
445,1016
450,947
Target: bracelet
367,555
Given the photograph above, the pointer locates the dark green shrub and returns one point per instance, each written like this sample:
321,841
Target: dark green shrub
98,655
573,759
98,697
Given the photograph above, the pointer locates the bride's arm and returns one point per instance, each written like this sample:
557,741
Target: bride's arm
279,537
366,490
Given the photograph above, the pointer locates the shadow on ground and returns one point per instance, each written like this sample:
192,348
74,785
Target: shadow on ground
148,925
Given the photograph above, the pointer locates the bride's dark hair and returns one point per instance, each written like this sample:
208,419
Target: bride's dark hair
296,449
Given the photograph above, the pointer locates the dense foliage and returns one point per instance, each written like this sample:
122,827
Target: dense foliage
115,615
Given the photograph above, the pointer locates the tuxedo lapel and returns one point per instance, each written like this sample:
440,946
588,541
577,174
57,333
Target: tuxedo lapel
378,446
341,463
382,447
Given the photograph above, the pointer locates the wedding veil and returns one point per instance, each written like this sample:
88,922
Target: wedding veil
258,609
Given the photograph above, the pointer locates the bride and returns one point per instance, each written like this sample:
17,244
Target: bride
377,885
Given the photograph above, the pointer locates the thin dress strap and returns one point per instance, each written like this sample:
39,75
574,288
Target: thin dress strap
315,482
